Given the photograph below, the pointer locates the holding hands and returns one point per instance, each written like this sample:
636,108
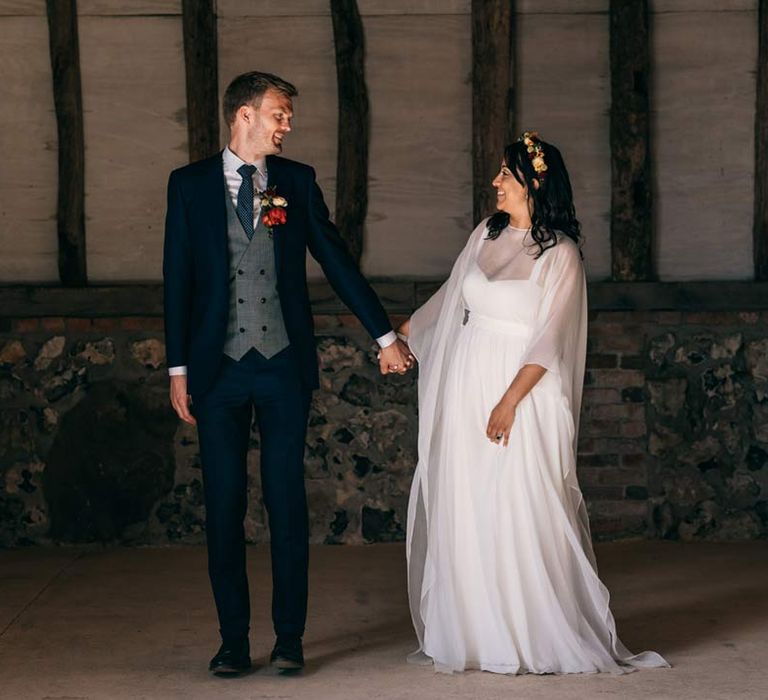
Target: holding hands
396,358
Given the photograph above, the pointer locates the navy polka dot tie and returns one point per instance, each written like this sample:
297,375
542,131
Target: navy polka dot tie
245,199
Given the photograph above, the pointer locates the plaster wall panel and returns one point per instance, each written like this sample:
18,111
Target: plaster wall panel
29,143
135,134
118,8
703,138
662,6
22,8
420,212
561,7
564,94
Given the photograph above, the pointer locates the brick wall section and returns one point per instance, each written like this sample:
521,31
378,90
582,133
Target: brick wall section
613,460
673,440
674,433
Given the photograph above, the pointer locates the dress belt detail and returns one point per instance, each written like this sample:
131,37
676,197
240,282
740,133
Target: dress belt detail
497,324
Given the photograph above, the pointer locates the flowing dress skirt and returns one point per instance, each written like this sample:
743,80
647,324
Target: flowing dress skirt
510,583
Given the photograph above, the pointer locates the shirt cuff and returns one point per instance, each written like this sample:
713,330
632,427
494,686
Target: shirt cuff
386,340
173,371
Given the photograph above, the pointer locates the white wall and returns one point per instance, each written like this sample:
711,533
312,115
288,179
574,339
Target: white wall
705,56
135,133
28,144
565,94
418,72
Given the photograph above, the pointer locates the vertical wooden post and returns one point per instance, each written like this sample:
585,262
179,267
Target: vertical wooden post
631,205
201,63
68,102
760,225
354,124
493,96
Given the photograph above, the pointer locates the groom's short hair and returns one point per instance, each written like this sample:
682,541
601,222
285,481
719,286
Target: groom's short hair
249,88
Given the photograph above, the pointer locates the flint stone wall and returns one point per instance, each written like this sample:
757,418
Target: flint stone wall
674,436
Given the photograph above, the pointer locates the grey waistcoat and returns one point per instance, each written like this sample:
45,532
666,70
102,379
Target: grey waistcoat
255,317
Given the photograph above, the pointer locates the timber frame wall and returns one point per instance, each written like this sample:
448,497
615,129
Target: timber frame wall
761,148
493,50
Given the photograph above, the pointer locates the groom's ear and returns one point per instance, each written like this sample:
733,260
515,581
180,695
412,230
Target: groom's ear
246,113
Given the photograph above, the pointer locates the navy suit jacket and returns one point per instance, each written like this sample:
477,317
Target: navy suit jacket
196,267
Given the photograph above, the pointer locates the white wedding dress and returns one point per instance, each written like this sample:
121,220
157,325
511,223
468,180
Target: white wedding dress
501,570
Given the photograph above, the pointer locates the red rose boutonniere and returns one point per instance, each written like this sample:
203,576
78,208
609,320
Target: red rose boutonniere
273,208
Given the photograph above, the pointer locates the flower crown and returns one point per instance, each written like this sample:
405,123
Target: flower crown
535,152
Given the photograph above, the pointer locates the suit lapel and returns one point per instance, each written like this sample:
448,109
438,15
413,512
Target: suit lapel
273,180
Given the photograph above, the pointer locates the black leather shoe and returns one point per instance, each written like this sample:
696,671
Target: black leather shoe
231,659
288,654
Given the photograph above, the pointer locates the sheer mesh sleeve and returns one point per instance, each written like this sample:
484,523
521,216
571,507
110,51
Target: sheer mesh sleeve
562,311
444,305
423,322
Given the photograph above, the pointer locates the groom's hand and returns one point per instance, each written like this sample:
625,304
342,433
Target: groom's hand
180,399
396,358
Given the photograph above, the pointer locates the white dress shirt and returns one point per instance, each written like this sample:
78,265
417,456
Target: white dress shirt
233,180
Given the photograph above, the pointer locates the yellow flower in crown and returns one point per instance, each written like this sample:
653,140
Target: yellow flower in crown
535,152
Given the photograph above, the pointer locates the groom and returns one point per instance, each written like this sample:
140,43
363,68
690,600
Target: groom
239,339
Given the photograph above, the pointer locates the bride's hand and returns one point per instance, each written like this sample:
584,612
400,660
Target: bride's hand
501,421
403,331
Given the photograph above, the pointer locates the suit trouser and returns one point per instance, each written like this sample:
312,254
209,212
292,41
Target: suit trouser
223,414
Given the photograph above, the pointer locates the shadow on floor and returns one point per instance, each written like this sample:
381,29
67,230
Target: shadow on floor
697,615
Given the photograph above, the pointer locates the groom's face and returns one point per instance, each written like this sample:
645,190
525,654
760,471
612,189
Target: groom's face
271,122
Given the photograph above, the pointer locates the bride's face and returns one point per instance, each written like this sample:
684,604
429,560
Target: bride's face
510,194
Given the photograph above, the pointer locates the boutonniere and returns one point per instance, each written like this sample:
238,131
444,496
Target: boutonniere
273,208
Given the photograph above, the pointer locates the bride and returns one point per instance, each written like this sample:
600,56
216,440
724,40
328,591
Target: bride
501,572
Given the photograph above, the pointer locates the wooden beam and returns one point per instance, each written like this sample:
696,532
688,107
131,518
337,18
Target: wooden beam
68,102
631,205
354,125
201,63
493,96
760,225
397,296
28,301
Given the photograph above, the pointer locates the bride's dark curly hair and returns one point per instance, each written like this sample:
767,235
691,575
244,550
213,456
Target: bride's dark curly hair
553,209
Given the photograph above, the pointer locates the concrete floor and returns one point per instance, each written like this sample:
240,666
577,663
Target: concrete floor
139,623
